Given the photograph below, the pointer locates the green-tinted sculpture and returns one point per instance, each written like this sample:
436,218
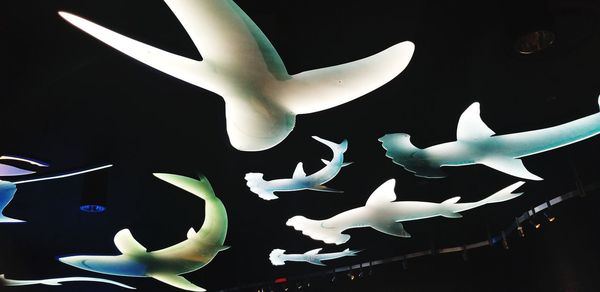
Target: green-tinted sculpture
166,265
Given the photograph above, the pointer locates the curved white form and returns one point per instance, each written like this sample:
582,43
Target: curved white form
475,145
241,65
300,181
278,256
384,215
166,265
58,281
8,189
9,170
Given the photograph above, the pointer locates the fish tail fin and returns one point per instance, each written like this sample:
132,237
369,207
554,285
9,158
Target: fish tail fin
341,147
315,230
504,194
258,185
199,187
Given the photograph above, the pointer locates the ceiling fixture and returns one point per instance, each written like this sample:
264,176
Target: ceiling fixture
534,42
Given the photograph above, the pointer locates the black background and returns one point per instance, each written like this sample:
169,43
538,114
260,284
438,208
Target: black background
74,102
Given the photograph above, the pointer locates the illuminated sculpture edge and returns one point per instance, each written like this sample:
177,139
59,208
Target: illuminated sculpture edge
475,144
241,65
300,181
384,215
166,265
58,281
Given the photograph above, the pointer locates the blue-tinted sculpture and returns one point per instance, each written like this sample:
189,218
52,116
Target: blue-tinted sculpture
166,265
9,170
475,144
384,215
8,190
240,64
300,181
58,281
278,257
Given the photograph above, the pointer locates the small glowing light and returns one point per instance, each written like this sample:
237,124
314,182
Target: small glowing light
92,208
521,231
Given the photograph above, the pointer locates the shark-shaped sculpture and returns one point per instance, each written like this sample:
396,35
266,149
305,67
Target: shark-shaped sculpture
58,281
278,256
8,190
300,181
9,170
475,144
242,66
384,215
166,265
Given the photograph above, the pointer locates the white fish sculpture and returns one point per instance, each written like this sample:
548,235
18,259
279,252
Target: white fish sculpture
384,215
166,265
476,144
58,281
8,190
278,257
300,181
242,66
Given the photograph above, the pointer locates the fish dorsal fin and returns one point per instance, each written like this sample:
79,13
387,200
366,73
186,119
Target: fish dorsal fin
313,252
471,126
191,233
326,162
451,201
126,244
383,194
299,171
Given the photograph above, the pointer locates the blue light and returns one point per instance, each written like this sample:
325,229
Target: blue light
92,208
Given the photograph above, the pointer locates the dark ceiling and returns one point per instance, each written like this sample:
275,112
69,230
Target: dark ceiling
74,102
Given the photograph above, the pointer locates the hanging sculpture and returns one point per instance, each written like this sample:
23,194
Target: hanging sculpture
300,181
475,144
241,65
166,265
278,257
58,281
8,189
384,215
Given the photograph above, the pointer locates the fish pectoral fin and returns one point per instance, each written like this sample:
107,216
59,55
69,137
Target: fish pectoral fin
177,281
316,262
450,214
512,166
393,228
321,188
126,243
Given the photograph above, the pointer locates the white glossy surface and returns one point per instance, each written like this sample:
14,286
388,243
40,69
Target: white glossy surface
300,181
241,65
384,215
476,144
